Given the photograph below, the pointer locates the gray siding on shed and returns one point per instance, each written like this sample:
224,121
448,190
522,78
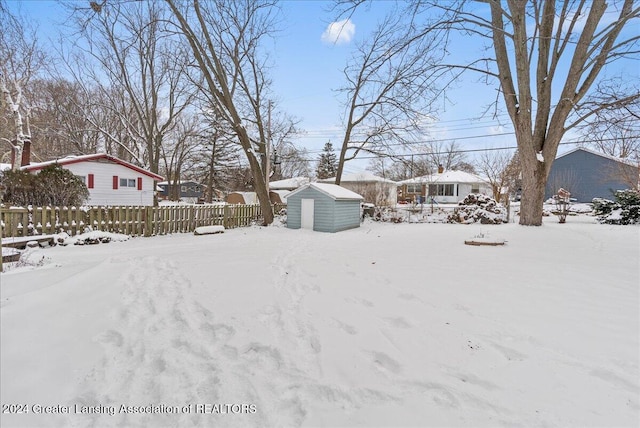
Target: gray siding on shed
329,215
588,175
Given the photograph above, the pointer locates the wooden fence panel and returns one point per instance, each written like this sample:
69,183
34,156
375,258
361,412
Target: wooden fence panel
130,220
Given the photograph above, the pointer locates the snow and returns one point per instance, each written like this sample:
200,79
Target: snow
208,230
539,156
383,325
452,176
288,183
8,251
358,177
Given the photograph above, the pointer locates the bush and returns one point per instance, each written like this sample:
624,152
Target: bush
478,208
625,209
54,186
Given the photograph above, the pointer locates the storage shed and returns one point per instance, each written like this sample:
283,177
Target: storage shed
323,208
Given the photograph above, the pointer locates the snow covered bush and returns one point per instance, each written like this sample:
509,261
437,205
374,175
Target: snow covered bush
53,186
625,209
478,208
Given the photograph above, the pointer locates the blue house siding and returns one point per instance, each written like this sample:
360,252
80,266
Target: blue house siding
588,175
346,215
323,213
330,215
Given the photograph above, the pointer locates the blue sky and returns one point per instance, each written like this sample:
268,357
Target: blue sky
308,69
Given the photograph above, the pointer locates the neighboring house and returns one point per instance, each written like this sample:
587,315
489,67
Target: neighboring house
242,198
251,198
186,191
588,174
111,181
289,183
445,187
374,189
323,207
278,196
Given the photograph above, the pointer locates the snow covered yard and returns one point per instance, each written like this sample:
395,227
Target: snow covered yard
385,325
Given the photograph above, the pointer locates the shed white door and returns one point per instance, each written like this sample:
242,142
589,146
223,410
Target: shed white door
306,212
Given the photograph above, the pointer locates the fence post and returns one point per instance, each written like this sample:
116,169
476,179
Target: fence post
148,221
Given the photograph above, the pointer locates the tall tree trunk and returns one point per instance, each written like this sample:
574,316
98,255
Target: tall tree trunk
534,178
260,187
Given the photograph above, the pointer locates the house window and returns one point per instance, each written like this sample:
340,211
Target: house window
442,189
83,178
183,189
475,188
414,188
127,182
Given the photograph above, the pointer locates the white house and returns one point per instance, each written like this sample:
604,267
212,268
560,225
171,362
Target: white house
374,189
111,181
445,187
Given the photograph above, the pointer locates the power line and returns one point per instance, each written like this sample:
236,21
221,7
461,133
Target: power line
463,150
440,140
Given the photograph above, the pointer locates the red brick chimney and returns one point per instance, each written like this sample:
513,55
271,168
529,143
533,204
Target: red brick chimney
26,153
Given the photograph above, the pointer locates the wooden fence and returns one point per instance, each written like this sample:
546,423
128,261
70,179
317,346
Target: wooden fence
129,220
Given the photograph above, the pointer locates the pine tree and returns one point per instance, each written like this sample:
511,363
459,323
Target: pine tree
327,162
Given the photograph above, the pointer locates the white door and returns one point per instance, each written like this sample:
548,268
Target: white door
306,209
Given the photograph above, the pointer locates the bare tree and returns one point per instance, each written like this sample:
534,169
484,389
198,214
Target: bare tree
179,145
21,59
287,160
216,155
615,130
495,166
546,58
449,155
388,90
59,124
225,38
290,161
146,89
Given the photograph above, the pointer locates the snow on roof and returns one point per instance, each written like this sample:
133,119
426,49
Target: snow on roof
364,176
331,190
87,158
593,152
452,176
288,183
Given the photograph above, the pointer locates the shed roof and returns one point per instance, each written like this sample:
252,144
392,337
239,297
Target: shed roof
333,191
